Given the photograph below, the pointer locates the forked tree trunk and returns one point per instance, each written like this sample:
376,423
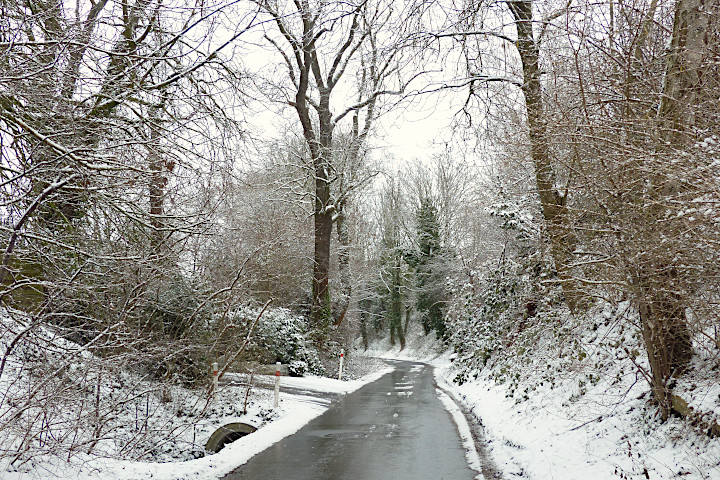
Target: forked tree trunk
319,140
555,212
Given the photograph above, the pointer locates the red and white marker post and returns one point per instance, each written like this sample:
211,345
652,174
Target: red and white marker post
342,360
215,372
277,384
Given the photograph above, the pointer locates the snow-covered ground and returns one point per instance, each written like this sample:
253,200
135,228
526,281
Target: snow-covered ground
589,419
578,425
293,412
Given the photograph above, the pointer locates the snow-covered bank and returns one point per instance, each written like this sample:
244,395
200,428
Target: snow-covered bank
293,413
569,424
545,437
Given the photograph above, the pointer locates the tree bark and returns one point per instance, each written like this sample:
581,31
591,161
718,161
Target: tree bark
158,181
554,209
665,332
691,76
323,213
686,106
363,328
396,326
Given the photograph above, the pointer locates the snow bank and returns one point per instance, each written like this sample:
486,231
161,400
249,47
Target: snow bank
596,437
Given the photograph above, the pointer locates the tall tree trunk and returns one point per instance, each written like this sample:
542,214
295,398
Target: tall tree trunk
396,302
392,332
158,181
408,310
363,327
555,212
686,105
323,217
320,145
321,307
397,305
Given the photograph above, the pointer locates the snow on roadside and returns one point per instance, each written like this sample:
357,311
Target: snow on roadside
471,454
325,384
294,412
546,437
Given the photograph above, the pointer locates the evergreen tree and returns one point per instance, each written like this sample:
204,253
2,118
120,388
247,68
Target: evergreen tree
430,262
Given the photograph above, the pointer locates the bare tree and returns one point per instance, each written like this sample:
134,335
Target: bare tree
687,109
639,158
322,45
620,127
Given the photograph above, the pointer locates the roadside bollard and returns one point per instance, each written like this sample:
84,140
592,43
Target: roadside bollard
342,359
277,384
215,371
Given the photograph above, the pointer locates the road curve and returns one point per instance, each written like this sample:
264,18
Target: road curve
395,428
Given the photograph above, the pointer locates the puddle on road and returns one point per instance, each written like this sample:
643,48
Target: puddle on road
339,434
365,431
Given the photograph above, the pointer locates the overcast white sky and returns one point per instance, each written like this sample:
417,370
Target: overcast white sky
422,128
417,129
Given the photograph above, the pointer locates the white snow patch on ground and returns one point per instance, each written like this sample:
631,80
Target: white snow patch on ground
547,438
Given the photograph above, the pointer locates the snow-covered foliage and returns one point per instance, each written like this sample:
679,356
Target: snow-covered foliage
504,306
65,399
281,336
512,217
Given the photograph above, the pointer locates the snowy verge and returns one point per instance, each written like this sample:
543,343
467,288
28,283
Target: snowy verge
593,438
471,454
294,412
592,419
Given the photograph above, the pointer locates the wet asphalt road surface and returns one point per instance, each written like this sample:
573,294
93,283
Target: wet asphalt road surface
393,429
